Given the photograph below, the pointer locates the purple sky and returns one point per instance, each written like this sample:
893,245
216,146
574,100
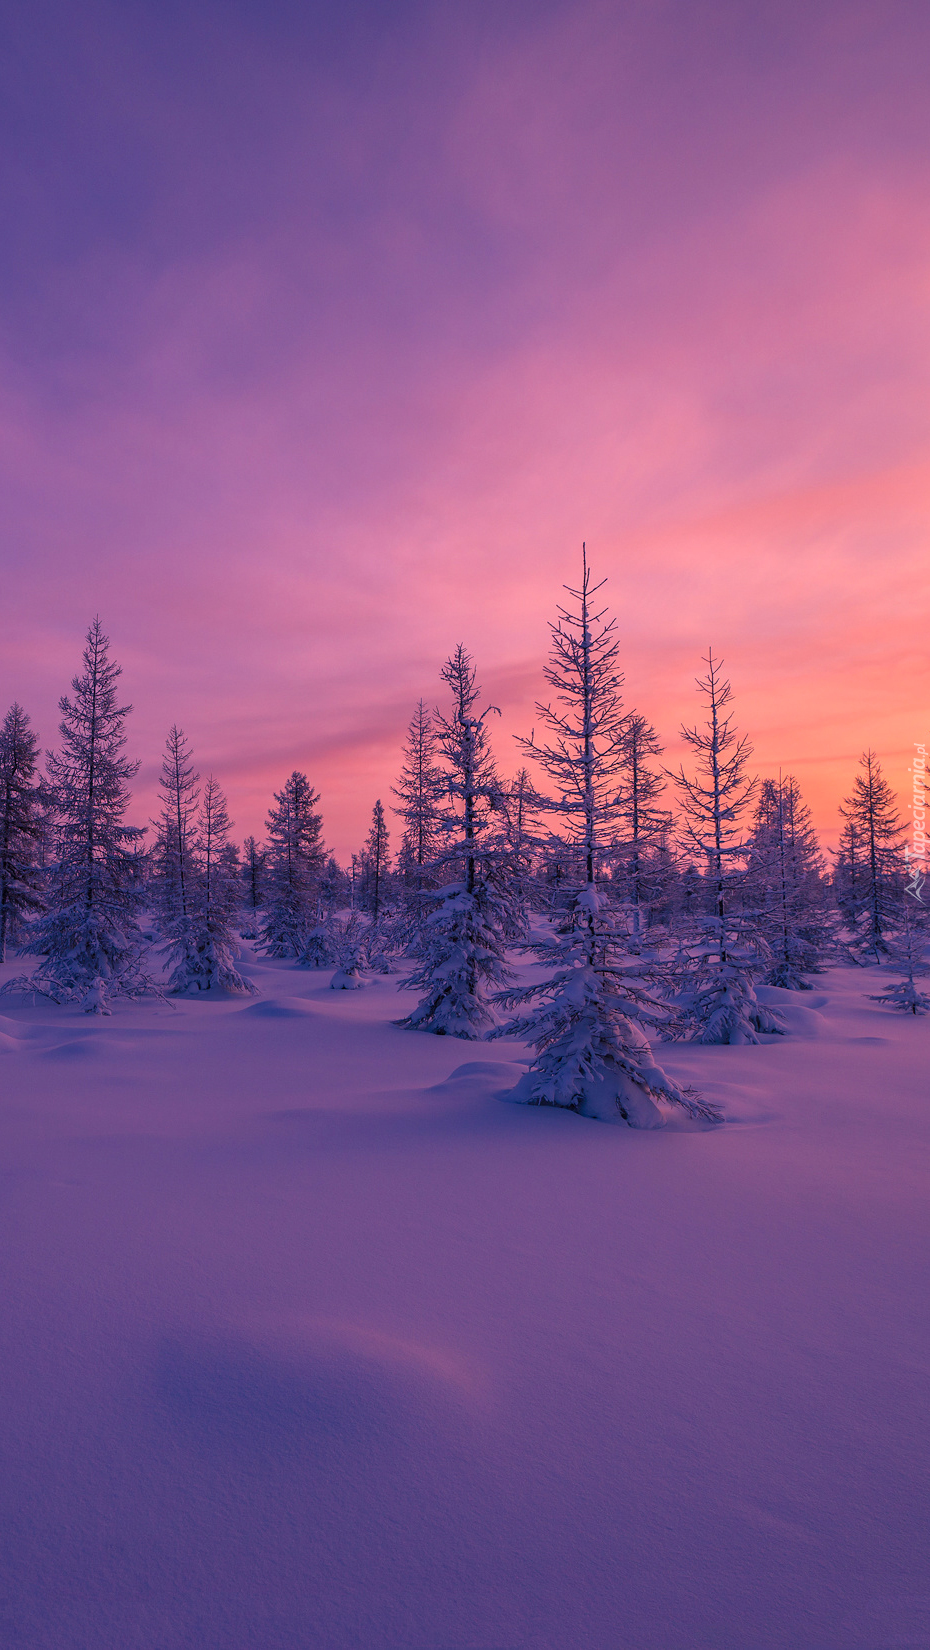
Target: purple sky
328,332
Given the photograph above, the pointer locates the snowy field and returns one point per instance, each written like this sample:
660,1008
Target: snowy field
311,1343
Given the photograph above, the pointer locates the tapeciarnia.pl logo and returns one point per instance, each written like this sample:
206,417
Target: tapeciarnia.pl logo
915,855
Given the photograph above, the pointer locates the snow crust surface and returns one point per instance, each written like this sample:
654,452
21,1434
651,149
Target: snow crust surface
310,1343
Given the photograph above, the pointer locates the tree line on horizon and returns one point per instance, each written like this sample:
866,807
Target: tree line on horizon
648,921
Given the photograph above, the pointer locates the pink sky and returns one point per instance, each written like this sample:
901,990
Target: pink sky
324,344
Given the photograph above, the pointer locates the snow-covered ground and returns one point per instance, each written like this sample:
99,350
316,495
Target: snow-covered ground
311,1343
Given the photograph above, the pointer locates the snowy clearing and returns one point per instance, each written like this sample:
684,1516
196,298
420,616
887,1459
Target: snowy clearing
312,1343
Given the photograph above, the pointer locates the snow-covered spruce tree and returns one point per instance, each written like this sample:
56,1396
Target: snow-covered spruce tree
462,942
417,792
325,942
172,880
521,842
848,871
21,829
334,886
296,860
201,948
663,878
375,864
89,933
377,895
644,825
231,867
323,946
587,1020
410,880
253,886
870,872
784,892
690,902
907,957
45,819
351,942
561,871
719,997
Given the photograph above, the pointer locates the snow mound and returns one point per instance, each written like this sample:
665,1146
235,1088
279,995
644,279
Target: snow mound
239,1397
75,1048
278,1008
801,1021
13,1035
801,1018
480,1077
301,1386
347,979
745,1103
297,1334
485,1068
